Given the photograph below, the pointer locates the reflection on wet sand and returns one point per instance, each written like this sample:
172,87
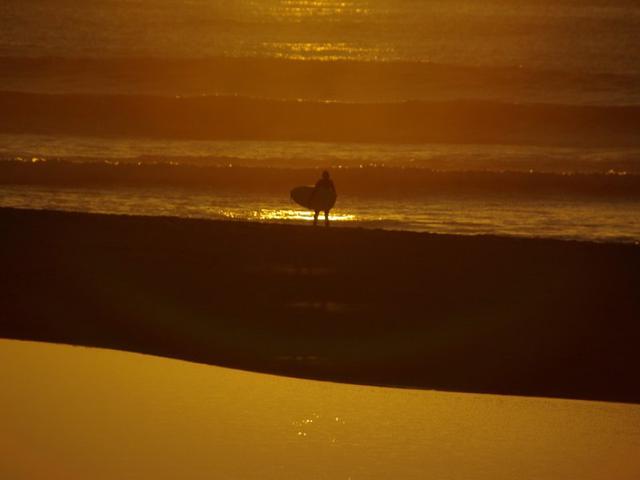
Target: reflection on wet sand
291,214
79,413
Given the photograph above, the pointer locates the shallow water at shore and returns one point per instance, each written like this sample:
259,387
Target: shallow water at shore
77,413
535,216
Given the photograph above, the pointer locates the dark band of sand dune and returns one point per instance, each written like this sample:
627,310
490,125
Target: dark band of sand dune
478,314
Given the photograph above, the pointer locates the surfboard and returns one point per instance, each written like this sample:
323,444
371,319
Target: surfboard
323,200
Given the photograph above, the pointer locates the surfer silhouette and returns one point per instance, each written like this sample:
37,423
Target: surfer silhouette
324,188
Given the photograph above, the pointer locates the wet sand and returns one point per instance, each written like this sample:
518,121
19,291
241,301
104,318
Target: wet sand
477,314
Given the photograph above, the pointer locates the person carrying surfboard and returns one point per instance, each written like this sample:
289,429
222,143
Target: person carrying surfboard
323,188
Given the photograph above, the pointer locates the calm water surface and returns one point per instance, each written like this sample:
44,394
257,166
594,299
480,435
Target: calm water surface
77,413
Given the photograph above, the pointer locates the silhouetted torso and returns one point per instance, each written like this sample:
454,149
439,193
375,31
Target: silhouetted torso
326,183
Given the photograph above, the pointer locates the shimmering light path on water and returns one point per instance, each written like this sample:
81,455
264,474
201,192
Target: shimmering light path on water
574,35
78,413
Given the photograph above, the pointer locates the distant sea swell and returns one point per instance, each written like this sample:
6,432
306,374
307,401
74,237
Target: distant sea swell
340,80
247,118
381,182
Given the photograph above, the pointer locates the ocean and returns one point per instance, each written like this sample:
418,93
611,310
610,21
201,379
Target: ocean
515,118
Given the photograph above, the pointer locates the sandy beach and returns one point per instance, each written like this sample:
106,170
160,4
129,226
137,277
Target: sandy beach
475,313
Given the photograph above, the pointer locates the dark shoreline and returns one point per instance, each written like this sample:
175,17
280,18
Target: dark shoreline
477,314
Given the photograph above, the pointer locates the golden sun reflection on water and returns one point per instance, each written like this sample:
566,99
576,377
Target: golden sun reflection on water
287,215
324,8
291,214
318,47
327,12
324,50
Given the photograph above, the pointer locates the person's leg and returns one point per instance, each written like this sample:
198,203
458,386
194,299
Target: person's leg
326,218
315,217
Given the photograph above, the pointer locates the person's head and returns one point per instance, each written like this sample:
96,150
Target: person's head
325,175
